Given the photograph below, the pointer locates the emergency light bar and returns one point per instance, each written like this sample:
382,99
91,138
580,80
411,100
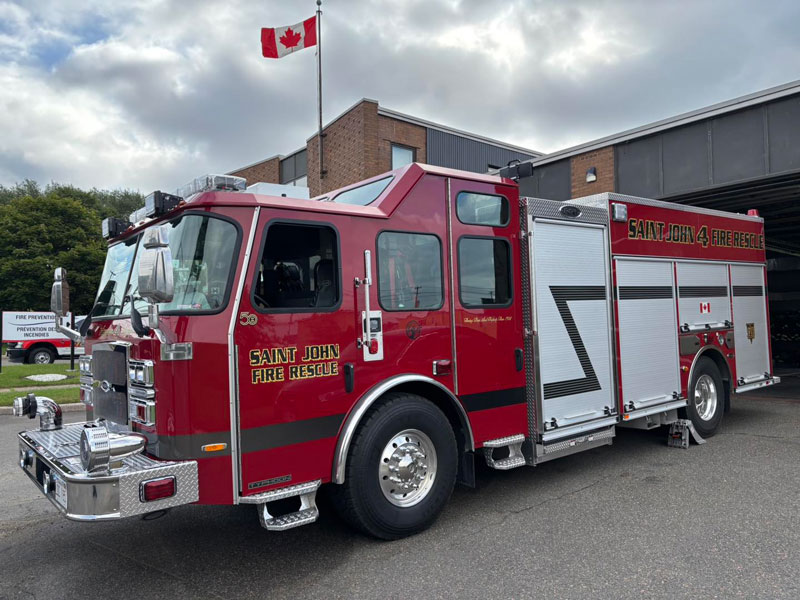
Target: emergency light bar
213,182
112,227
159,203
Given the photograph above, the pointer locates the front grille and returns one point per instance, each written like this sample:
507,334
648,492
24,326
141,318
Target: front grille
109,394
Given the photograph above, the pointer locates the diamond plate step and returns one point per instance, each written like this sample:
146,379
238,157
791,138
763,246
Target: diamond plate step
512,462
307,513
295,519
515,457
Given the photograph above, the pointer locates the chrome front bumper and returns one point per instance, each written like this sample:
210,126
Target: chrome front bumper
52,460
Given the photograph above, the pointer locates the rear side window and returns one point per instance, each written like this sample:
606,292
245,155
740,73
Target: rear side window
482,209
299,269
409,271
363,194
484,272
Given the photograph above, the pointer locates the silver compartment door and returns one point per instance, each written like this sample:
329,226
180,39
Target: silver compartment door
571,295
750,322
703,295
648,332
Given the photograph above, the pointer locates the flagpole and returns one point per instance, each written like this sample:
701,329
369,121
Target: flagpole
319,89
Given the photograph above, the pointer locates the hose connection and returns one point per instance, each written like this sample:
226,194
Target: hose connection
50,418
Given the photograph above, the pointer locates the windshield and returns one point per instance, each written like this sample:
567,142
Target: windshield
114,280
202,249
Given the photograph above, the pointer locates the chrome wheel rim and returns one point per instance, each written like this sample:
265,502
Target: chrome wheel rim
705,397
41,358
407,468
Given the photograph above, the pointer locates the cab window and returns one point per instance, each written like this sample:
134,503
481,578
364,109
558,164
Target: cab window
298,270
484,272
409,271
482,209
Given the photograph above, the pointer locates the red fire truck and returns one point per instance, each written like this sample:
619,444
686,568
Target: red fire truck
247,349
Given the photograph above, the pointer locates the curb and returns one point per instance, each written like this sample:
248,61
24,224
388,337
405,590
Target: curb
72,407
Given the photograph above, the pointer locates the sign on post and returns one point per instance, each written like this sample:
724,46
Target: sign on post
22,326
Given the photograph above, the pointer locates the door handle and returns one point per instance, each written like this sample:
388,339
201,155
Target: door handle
442,367
518,358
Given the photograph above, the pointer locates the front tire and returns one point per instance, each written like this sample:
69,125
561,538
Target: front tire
41,356
401,468
706,398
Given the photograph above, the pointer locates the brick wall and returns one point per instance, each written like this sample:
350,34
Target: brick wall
603,161
398,132
349,144
267,171
358,146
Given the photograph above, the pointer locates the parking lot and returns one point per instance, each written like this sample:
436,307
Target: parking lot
634,520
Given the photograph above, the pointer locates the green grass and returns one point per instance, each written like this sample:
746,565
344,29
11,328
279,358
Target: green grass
14,376
61,396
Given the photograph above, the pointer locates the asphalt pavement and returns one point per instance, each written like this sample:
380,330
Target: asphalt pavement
634,520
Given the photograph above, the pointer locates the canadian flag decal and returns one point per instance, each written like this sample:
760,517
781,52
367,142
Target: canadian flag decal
277,42
705,307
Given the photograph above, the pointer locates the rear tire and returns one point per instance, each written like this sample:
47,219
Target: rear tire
706,398
41,356
401,468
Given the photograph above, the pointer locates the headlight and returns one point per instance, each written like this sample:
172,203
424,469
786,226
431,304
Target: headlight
140,372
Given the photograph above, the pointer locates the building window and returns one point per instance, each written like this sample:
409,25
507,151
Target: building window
402,156
484,272
301,181
482,209
409,271
299,269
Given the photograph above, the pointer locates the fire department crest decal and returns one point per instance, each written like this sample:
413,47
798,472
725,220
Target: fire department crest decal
413,330
751,332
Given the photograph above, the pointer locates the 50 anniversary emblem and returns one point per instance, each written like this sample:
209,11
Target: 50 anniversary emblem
246,318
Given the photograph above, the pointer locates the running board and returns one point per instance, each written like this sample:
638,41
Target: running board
307,513
513,460
679,433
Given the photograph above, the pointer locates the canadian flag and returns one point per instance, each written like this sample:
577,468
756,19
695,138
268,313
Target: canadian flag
277,42
705,307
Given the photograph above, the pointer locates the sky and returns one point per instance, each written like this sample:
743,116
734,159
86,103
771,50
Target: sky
148,94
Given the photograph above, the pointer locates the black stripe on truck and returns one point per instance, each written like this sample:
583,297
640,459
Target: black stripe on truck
644,292
589,383
703,291
748,290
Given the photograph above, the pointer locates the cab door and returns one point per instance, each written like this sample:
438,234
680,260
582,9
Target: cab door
294,334
487,321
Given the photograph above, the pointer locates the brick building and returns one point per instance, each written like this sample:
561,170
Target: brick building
367,140
737,155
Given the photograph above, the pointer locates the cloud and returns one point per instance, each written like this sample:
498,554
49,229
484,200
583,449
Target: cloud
147,94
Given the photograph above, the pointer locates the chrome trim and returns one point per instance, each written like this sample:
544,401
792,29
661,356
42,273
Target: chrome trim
651,410
452,283
758,384
81,496
697,356
176,351
562,432
233,383
368,399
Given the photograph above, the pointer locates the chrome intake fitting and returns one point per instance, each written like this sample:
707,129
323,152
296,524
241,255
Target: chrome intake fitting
49,412
101,449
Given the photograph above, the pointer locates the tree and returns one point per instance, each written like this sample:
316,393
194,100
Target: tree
41,232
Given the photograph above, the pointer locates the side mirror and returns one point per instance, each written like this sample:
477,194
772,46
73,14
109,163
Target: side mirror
59,294
155,267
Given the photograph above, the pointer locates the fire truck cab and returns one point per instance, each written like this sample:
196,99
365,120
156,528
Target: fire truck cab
247,349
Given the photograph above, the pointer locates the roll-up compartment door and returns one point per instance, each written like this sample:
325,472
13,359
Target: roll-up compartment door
648,333
750,333
572,298
703,299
